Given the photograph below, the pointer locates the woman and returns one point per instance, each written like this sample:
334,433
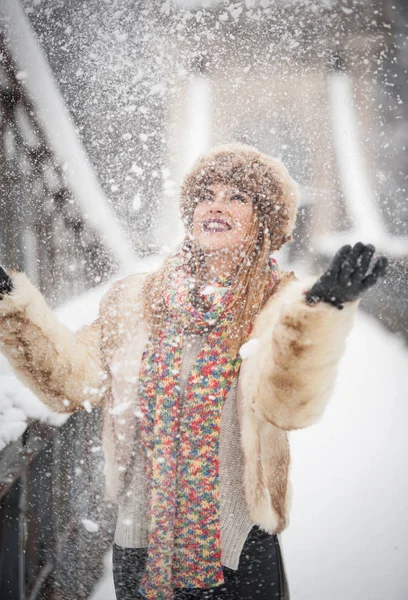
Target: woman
195,440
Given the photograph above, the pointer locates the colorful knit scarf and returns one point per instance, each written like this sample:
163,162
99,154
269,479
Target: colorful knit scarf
181,446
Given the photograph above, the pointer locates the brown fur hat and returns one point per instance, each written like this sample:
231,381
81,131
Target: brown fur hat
274,193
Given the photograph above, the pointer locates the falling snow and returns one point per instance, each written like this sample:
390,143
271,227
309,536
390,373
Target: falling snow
104,107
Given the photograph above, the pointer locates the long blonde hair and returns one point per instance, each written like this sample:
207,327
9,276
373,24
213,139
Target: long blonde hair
252,283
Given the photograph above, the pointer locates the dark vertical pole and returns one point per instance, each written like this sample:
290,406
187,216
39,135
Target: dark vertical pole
10,581
22,534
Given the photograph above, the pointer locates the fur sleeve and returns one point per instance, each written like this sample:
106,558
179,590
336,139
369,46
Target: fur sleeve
62,368
292,374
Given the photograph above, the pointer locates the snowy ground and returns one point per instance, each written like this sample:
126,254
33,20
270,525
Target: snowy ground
348,536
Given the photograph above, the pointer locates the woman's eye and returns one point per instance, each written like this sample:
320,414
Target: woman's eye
239,198
205,197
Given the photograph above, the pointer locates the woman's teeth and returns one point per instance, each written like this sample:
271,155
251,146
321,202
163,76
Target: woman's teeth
216,226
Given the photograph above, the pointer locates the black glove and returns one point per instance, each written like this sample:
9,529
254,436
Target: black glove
347,276
6,285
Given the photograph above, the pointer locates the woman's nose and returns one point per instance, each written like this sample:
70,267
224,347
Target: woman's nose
218,204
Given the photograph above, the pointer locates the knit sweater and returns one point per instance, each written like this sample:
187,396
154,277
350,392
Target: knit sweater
132,522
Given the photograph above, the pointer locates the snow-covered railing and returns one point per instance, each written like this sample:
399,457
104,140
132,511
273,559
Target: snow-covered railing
38,82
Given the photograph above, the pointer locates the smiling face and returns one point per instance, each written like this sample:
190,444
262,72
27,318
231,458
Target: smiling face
222,219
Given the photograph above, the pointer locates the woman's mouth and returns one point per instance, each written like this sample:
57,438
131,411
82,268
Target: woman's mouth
216,225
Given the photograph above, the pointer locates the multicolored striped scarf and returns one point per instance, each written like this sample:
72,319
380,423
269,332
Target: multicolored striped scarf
181,446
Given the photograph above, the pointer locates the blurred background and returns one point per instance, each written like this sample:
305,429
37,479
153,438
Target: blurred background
104,105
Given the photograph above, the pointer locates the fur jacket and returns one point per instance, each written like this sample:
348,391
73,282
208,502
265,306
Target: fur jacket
283,385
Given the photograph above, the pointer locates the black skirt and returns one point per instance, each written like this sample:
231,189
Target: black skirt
260,574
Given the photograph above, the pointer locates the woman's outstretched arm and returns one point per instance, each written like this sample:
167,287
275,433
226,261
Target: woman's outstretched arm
302,334
63,368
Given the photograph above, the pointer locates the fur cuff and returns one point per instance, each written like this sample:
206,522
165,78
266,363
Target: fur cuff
23,296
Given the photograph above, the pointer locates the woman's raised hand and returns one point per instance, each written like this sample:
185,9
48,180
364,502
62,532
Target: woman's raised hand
6,285
347,276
